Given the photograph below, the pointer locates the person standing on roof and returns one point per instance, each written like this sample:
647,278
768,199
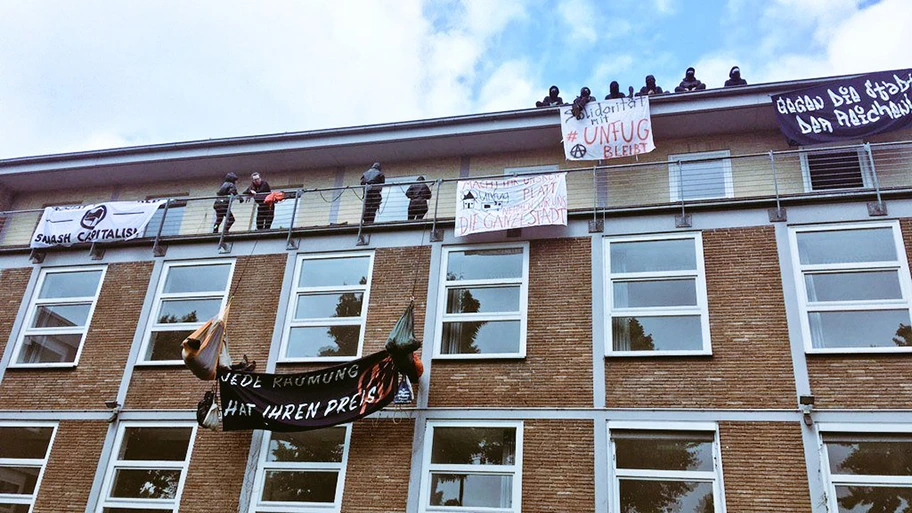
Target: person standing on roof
418,195
226,191
372,180
259,189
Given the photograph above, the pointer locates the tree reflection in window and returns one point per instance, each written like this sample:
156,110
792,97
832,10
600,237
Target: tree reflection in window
871,455
459,337
346,337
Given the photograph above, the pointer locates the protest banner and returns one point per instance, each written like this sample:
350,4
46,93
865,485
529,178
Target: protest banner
517,202
104,222
609,129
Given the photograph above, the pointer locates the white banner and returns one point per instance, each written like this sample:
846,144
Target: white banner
518,202
103,222
609,129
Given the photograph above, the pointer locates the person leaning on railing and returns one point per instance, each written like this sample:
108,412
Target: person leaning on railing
260,189
225,192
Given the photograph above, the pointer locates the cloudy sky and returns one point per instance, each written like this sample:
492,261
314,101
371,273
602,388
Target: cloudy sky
93,74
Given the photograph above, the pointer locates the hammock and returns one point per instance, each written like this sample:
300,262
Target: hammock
204,349
402,345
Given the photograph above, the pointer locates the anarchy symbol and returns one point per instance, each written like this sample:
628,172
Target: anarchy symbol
578,151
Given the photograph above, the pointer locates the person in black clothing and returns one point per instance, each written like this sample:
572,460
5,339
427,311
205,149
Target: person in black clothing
418,195
650,88
690,82
259,189
734,78
579,104
227,190
373,179
552,100
615,91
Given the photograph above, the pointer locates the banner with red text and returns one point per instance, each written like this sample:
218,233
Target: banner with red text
517,202
609,129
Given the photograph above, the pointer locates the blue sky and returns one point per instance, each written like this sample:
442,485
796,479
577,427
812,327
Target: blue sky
101,74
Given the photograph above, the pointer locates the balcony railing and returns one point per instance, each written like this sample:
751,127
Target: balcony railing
691,181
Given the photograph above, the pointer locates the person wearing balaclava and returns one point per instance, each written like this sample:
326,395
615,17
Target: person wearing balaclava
579,104
418,195
690,82
614,91
734,78
650,88
552,100
225,192
372,180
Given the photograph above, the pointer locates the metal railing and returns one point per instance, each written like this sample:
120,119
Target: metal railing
716,178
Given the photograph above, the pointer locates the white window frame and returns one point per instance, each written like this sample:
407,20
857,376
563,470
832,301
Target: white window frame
901,266
329,321
714,476
160,297
428,468
113,464
528,170
8,498
521,315
831,480
701,308
258,506
35,301
867,178
674,172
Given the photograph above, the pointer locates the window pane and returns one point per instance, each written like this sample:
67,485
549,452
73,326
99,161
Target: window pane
329,272
854,286
653,255
197,278
846,246
24,442
323,306
834,170
646,294
61,316
873,499
323,341
663,450
873,328
885,455
172,221
472,491
488,264
671,333
24,508
49,348
474,445
151,443
481,337
75,284
664,496
145,484
320,445
166,345
188,310
475,300
300,486
18,480
701,180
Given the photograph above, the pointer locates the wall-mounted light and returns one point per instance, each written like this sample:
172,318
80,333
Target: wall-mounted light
114,406
806,403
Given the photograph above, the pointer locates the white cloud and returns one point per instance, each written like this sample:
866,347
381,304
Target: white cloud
509,87
666,7
579,15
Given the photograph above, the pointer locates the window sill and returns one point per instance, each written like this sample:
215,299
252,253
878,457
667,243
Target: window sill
860,350
492,356
651,354
320,359
68,365
161,363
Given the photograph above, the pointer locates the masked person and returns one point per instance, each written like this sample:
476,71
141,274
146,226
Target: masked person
552,100
579,104
734,78
690,82
226,191
259,189
373,180
650,88
418,195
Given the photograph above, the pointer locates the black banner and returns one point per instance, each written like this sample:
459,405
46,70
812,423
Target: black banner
852,108
309,400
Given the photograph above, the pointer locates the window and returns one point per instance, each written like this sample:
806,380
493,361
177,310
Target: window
694,176
58,317
303,471
148,467
853,287
328,308
188,295
835,169
173,219
24,450
472,467
867,471
656,290
482,302
665,469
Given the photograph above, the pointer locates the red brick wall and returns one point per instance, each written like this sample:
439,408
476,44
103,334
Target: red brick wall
379,462
558,466
250,325
557,369
216,471
12,294
751,365
71,468
764,468
104,353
